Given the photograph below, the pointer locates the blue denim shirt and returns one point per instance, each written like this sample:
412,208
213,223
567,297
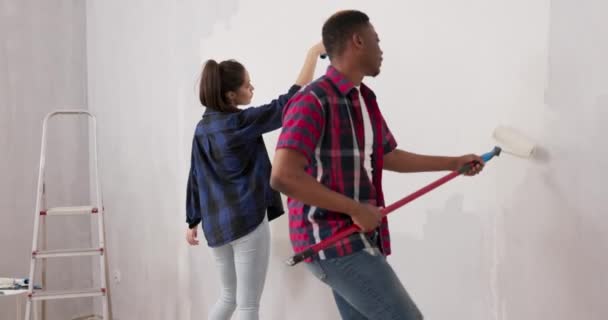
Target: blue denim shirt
229,182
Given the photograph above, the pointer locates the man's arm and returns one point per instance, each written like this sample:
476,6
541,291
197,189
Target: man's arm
398,160
290,178
303,123
403,161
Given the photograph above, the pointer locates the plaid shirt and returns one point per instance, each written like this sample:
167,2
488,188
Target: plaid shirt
324,122
229,182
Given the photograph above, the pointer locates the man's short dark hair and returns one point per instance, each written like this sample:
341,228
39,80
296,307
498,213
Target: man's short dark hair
339,28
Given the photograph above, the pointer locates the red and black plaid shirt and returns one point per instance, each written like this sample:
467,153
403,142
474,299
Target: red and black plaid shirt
324,122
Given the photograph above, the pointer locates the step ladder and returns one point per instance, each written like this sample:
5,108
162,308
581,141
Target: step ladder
42,213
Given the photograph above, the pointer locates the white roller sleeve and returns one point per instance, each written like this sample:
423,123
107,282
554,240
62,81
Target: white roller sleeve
513,142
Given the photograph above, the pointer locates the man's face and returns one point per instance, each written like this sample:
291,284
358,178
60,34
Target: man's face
370,53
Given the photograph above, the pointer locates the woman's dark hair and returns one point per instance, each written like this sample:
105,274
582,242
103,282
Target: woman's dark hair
217,80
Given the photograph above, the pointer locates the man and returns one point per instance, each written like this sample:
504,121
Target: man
329,160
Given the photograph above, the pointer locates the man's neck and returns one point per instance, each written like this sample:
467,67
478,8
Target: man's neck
349,71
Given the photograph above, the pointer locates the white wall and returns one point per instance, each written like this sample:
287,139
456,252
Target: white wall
141,76
554,223
518,242
43,68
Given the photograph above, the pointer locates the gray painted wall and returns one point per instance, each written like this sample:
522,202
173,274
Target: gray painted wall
42,68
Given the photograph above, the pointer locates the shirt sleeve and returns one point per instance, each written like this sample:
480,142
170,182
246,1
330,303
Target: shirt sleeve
388,140
193,207
303,123
255,121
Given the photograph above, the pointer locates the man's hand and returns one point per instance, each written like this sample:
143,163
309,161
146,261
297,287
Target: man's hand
459,162
367,217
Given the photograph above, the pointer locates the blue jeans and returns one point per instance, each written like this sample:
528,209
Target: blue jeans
366,287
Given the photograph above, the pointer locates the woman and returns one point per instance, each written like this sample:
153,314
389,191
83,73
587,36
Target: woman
229,183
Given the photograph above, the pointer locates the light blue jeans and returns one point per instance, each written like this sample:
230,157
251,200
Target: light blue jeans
245,259
366,287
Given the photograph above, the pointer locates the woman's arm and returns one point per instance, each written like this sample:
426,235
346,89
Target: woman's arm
308,69
259,120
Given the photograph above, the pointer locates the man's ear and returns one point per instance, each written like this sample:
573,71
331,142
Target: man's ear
357,40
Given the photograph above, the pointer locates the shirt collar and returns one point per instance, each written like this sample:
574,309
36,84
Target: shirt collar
344,85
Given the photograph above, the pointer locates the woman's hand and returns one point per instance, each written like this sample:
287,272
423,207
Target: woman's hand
318,49
192,236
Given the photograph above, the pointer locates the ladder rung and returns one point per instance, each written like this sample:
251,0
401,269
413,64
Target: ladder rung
67,253
67,294
69,211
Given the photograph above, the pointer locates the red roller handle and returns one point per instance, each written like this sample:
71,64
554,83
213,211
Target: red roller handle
354,228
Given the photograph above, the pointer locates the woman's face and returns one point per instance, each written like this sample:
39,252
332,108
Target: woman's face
244,94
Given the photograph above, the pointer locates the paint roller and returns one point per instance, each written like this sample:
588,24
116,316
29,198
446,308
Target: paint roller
510,141
514,142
